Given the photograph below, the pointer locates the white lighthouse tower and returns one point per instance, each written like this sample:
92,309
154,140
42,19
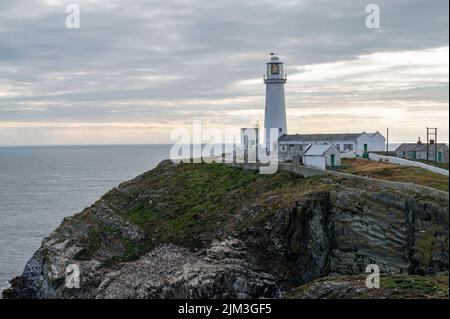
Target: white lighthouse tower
275,112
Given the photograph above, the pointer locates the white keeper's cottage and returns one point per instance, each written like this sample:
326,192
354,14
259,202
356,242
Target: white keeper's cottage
359,144
321,156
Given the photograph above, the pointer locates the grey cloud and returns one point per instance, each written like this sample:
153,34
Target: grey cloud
198,48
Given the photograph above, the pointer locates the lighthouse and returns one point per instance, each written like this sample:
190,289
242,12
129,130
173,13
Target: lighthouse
275,111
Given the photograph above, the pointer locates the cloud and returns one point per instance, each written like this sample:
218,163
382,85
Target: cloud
168,62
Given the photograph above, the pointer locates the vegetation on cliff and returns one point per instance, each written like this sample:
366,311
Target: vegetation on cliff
215,231
190,205
397,286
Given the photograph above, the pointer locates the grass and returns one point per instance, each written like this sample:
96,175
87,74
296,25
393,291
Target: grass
392,286
394,172
132,252
94,243
190,204
425,285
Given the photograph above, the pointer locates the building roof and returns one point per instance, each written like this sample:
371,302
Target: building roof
320,137
317,149
423,147
407,147
418,147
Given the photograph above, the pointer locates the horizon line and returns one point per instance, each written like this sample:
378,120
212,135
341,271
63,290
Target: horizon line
145,144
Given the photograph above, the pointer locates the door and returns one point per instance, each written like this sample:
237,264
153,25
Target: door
332,160
365,154
439,157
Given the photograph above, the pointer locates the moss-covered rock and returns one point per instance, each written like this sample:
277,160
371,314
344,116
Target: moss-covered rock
400,286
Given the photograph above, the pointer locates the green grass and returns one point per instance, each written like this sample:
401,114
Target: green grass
132,252
94,243
424,284
189,204
392,286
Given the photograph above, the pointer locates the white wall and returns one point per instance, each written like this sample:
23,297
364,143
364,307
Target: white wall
337,156
378,143
341,144
314,161
348,155
374,144
360,141
405,162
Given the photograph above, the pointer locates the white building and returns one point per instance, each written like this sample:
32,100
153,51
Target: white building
249,138
359,143
275,111
321,156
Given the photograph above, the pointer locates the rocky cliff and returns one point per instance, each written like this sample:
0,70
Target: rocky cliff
213,231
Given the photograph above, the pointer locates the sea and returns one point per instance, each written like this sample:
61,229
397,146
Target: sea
41,185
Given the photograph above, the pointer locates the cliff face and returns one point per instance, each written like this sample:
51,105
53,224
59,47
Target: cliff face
208,230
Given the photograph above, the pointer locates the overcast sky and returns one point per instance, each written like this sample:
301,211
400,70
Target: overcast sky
138,68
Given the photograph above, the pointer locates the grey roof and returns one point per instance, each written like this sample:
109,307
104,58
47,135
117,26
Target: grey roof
423,147
373,134
409,147
319,137
317,149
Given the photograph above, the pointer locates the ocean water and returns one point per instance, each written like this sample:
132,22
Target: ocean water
39,186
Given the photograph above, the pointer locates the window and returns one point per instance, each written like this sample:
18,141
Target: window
338,146
275,68
348,147
291,148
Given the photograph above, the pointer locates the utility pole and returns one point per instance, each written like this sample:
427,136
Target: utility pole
432,131
387,141
435,145
428,139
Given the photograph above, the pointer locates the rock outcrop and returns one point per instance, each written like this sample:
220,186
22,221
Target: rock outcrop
212,231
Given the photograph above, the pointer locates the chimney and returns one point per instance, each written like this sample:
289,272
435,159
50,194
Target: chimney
419,141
